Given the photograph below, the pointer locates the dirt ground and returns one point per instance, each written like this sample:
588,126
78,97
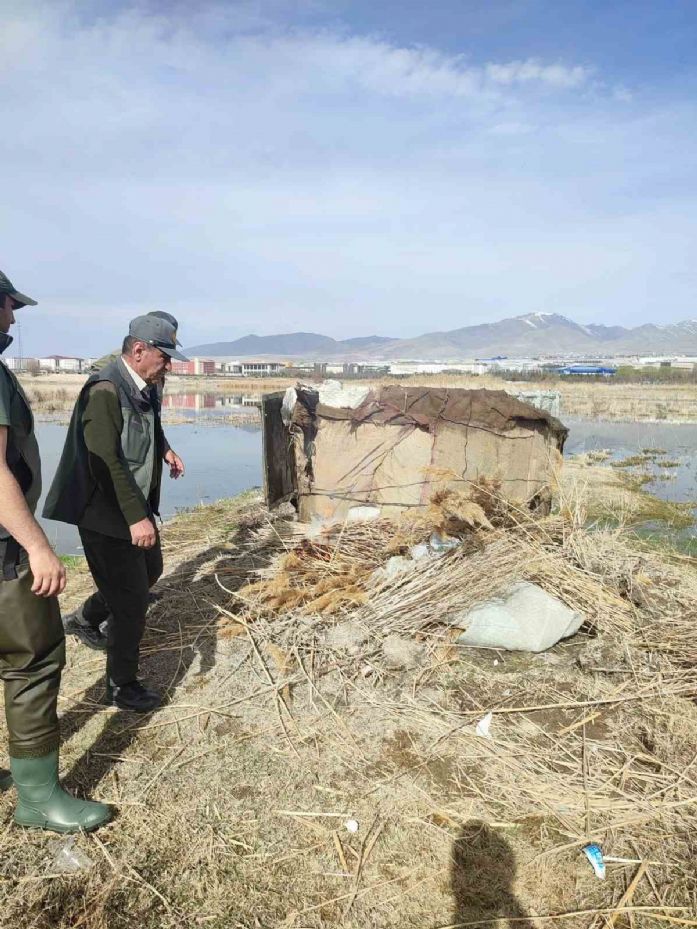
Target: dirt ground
307,783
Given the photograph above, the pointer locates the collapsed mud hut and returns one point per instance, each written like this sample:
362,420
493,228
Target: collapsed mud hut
335,451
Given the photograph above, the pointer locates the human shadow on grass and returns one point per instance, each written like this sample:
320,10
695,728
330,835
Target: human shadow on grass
482,878
181,626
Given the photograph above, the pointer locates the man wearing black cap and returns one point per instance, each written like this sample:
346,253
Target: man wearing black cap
112,356
108,485
32,645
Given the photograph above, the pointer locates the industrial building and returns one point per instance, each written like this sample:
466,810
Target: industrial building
193,366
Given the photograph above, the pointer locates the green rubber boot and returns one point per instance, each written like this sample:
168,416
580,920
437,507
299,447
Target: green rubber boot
42,802
5,779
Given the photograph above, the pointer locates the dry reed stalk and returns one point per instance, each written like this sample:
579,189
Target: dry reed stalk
527,783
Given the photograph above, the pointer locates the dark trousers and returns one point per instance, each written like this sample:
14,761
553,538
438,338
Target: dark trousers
124,575
32,654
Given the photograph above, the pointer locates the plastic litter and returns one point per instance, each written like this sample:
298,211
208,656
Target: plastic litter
334,393
420,551
67,858
352,825
440,542
356,514
290,398
594,854
394,566
484,725
362,513
524,618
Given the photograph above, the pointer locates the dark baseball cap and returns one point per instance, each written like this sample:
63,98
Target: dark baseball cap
170,319
8,289
157,332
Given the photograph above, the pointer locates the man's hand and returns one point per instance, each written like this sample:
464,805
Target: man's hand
143,533
176,465
48,571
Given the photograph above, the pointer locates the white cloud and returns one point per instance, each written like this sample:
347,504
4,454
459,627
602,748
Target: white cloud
258,177
405,72
532,71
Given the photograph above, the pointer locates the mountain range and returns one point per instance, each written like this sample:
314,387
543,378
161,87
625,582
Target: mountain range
532,335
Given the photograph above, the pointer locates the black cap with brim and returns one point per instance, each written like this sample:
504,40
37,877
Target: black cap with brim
170,319
22,299
170,350
158,332
7,289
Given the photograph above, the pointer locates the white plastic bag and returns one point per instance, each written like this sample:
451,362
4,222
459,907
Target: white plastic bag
336,394
525,618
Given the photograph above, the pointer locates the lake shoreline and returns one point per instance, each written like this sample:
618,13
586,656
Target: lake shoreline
592,401
227,459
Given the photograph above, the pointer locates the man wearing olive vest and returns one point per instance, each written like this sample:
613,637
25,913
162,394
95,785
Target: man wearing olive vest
32,644
75,623
108,485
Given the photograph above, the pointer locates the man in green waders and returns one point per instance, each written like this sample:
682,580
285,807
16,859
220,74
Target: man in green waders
32,644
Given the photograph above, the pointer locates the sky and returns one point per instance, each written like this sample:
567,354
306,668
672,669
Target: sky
348,168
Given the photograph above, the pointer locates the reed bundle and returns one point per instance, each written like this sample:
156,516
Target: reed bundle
334,573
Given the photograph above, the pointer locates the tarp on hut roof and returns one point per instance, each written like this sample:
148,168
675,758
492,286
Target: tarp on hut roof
399,443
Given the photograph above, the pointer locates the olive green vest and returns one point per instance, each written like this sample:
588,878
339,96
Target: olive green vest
74,486
22,455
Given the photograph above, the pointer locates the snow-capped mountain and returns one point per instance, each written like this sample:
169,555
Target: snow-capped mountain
533,334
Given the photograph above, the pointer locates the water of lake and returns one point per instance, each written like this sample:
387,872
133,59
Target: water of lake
211,405
678,441
219,463
224,461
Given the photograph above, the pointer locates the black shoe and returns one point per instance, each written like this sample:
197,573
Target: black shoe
133,696
75,624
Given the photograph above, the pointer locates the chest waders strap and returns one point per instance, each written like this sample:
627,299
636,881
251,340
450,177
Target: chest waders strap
9,558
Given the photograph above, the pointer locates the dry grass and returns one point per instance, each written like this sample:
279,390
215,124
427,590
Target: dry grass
282,723
593,400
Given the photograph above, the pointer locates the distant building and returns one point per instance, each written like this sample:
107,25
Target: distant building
21,364
250,368
356,368
438,367
193,366
602,370
684,362
299,370
519,365
62,363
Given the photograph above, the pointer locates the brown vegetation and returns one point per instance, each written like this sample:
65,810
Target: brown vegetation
606,400
286,720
